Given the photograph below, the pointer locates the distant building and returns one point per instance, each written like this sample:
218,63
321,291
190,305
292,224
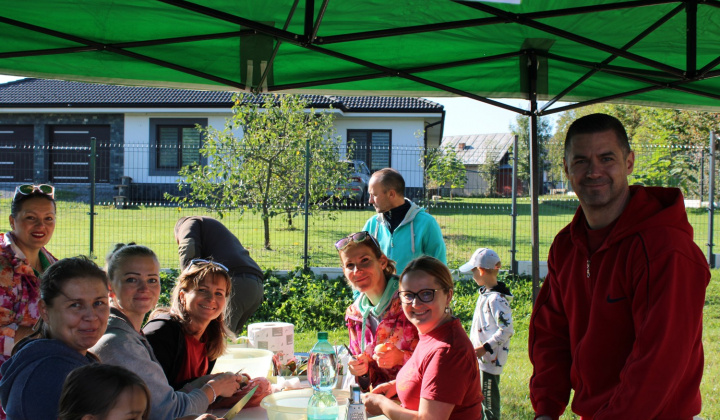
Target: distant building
476,150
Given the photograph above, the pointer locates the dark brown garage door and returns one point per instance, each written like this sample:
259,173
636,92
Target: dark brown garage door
16,153
70,153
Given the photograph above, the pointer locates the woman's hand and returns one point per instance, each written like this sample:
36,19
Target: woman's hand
388,356
359,366
225,384
387,389
373,403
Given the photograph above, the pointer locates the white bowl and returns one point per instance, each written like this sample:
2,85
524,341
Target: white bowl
254,362
292,405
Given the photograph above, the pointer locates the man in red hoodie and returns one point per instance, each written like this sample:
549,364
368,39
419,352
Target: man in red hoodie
619,316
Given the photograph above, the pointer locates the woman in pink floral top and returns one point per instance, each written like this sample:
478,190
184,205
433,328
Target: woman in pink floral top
380,335
23,258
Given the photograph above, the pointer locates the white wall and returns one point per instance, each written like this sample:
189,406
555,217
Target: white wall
405,145
137,143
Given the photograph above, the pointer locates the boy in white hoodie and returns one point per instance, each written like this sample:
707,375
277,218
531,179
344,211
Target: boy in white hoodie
491,326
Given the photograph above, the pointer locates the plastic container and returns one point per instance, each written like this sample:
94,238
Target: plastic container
292,405
254,362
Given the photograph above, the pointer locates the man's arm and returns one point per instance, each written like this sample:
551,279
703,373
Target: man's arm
549,348
189,239
667,354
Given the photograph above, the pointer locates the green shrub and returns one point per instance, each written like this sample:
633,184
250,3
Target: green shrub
313,303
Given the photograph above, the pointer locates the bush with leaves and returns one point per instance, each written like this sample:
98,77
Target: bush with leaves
318,303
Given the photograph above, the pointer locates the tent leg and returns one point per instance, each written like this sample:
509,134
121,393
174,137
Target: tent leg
534,171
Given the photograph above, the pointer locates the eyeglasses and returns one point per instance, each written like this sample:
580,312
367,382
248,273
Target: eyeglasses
356,238
27,189
425,295
197,261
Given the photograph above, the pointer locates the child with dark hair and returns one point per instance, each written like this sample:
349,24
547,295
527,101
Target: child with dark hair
116,393
107,392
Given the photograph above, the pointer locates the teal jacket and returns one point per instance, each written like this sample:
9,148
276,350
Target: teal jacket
418,234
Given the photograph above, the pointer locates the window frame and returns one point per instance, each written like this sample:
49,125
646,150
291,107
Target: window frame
156,124
369,132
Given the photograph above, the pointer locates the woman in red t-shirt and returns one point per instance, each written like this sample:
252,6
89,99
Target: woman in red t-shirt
188,337
441,380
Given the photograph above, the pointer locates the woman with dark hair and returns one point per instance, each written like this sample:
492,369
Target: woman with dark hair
74,312
188,337
381,337
104,392
23,258
441,380
134,273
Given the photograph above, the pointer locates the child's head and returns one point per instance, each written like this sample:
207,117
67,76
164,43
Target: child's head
485,265
104,392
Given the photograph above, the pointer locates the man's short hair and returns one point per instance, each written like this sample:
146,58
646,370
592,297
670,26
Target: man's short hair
390,179
597,123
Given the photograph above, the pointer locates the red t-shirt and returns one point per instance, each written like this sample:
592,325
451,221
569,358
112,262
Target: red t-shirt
196,361
443,368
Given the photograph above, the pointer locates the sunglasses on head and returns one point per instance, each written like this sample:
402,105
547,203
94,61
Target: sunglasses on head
355,238
197,261
27,189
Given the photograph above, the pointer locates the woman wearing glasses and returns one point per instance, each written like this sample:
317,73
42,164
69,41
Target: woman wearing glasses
23,258
134,273
381,336
188,337
441,380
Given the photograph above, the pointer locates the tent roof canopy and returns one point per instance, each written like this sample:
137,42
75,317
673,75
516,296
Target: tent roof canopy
654,52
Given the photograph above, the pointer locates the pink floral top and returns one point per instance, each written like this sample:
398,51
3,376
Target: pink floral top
19,293
393,327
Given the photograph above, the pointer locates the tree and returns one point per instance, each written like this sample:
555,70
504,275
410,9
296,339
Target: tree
264,168
668,143
443,167
521,128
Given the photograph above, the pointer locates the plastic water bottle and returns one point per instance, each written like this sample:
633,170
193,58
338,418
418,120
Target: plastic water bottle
322,375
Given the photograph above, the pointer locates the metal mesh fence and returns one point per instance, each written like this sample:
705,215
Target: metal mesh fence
129,203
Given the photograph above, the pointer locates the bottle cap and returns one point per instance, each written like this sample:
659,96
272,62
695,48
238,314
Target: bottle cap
322,335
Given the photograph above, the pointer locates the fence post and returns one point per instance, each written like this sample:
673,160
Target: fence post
306,257
513,212
702,174
711,201
93,161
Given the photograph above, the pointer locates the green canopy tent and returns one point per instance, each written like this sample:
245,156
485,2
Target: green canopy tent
654,52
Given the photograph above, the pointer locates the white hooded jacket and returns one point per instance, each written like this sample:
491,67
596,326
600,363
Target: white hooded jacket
492,324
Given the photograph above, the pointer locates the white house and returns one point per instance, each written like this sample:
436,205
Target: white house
146,134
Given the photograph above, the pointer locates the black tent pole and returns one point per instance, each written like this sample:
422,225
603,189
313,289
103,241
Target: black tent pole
532,63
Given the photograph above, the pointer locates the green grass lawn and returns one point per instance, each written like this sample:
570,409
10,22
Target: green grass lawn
517,372
467,223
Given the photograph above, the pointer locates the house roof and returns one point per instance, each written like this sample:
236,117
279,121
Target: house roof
478,148
59,93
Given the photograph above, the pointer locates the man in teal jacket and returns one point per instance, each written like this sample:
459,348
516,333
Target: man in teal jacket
402,228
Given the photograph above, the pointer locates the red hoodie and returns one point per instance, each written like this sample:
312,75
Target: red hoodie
622,327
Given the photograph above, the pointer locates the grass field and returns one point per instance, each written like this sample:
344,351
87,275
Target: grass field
467,223
517,372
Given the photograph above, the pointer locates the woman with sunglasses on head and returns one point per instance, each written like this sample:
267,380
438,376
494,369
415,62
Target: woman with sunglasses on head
188,337
134,273
381,337
441,380
23,258
74,312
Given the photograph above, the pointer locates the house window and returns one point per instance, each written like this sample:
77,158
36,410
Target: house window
175,142
177,146
372,147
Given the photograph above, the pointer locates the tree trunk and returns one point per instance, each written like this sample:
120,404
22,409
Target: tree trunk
289,219
266,226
